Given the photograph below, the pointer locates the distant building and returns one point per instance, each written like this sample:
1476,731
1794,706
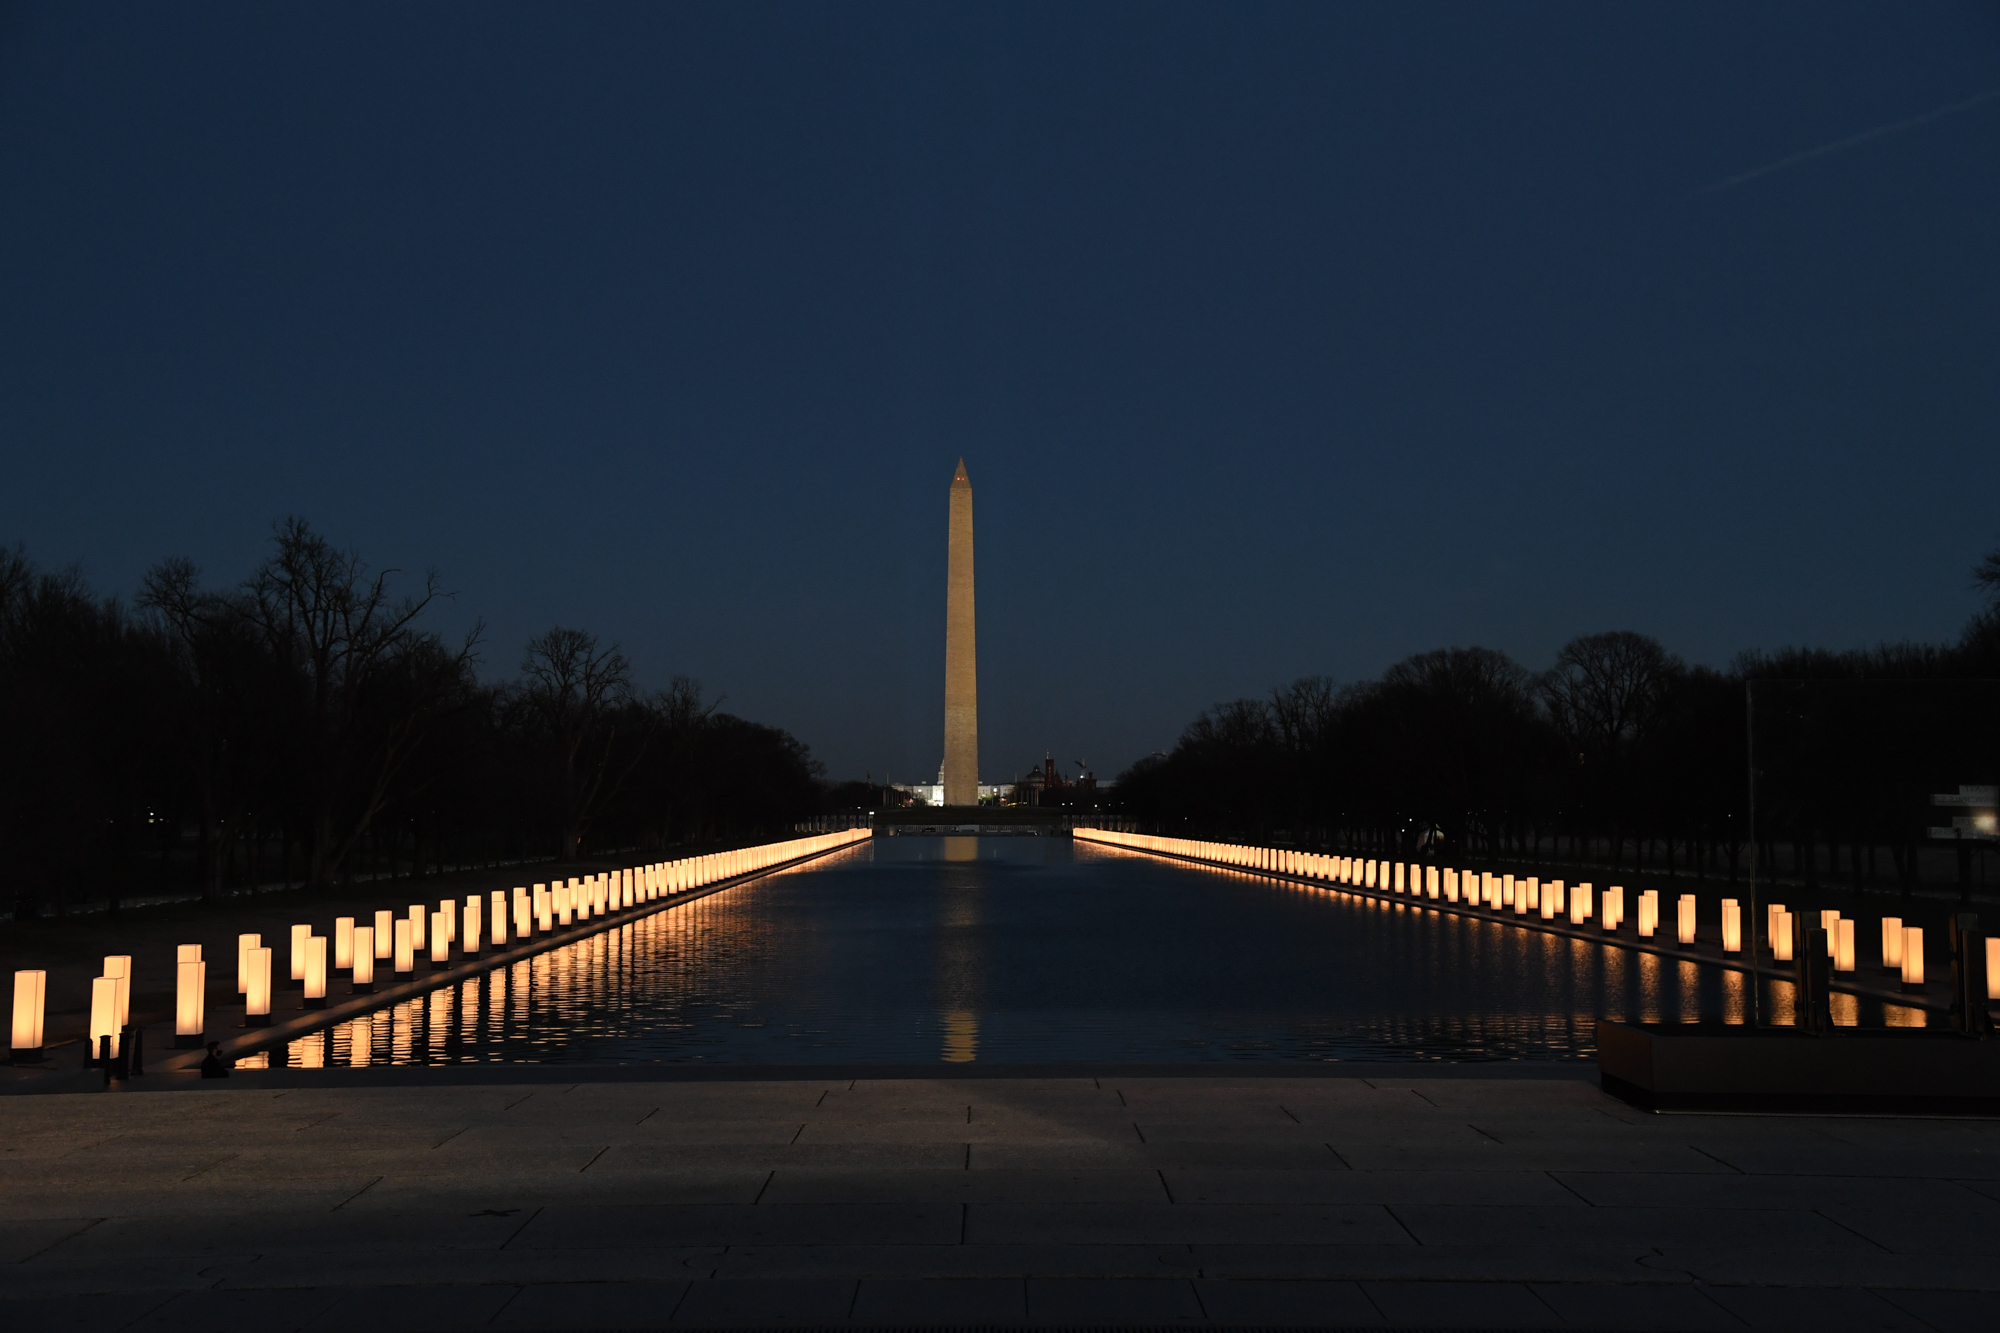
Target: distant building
932,793
1047,786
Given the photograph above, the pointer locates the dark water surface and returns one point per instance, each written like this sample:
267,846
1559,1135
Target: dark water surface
912,950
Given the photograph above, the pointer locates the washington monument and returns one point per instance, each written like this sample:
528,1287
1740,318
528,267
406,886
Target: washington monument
961,673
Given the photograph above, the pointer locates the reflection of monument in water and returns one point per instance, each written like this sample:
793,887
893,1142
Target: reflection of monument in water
961,675
959,964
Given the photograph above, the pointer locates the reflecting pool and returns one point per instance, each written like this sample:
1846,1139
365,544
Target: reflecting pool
915,950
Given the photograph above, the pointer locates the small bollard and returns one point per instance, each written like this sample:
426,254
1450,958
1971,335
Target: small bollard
1968,977
1814,997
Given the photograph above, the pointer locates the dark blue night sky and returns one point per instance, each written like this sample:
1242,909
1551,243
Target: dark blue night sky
1277,340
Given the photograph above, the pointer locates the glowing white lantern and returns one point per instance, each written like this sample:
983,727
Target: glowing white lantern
300,934
1913,958
1554,898
315,972
1732,926
1450,877
1506,890
1533,893
524,920
1843,954
244,944
1781,937
364,959
1649,913
119,967
1686,933
1431,881
471,928
440,941
1892,943
103,1015
1829,921
564,907
1614,907
31,994
545,908
1993,967
499,921
190,1000
419,937
1579,904
385,934
257,1000
405,947
343,942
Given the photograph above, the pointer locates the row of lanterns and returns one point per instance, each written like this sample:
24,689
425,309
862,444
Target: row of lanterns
392,943
1902,946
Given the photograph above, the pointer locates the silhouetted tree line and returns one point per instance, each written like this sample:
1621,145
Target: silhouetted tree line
1620,753
304,726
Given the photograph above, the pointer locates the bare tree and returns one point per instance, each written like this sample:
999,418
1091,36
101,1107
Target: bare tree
1605,690
1986,574
1605,694
1305,712
578,694
232,695
367,678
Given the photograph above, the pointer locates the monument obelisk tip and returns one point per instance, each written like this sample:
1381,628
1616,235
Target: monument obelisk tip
960,475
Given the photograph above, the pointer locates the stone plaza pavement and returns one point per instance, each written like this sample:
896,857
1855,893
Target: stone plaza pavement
1380,1197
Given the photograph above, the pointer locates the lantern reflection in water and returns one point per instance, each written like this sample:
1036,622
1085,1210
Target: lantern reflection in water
1735,997
1650,965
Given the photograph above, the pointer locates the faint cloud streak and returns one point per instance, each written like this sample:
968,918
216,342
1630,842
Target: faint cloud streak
1852,141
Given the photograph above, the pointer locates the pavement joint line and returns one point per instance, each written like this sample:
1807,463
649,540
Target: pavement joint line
311,1020
1524,922
515,1234
60,1240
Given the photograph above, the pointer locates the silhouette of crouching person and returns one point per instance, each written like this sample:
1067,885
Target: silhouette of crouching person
214,1066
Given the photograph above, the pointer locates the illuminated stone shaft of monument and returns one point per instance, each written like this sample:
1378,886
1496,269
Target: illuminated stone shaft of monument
961,684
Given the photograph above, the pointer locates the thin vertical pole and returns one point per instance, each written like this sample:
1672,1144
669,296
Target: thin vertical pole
1750,755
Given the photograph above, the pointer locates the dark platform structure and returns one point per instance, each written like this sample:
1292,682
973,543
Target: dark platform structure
1735,1067
975,821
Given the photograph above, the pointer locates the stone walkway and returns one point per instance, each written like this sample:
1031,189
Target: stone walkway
1370,1198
